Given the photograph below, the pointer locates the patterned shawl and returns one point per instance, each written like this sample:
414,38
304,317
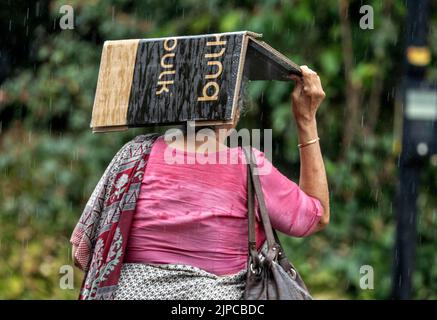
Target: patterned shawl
102,232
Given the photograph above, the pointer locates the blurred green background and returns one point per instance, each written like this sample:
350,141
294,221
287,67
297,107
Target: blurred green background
50,161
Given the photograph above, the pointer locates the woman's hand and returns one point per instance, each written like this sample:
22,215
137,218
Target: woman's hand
306,97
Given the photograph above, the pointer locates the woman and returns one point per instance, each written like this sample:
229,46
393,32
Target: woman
159,228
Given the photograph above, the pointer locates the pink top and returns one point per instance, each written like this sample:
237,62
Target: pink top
196,214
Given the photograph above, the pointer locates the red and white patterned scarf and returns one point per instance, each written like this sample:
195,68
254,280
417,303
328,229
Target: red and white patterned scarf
102,232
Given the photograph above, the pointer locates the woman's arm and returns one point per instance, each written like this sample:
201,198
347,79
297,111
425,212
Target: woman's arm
306,98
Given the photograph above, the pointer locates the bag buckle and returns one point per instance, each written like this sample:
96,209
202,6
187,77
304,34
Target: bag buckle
293,273
255,271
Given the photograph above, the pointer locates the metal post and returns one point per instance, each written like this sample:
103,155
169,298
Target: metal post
406,232
409,169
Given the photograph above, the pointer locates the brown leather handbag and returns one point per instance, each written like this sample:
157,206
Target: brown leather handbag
270,275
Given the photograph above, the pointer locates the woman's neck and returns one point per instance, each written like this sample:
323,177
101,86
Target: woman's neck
212,141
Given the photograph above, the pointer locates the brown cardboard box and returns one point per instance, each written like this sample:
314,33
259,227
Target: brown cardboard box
172,80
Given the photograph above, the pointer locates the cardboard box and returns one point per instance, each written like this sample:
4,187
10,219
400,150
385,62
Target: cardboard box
172,80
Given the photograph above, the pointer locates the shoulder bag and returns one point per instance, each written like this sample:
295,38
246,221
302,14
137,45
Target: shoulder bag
270,275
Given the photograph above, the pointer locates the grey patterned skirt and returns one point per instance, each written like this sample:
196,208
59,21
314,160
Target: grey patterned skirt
140,281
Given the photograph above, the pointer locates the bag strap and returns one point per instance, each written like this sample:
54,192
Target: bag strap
253,183
253,252
275,250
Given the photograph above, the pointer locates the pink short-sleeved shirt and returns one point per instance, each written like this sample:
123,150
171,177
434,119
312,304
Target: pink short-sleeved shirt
195,213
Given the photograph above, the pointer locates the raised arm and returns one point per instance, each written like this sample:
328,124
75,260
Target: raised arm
306,98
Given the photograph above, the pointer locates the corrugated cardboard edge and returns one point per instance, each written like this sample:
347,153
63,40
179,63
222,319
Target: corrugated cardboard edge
100,105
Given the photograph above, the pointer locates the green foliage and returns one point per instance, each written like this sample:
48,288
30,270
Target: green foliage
50,161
